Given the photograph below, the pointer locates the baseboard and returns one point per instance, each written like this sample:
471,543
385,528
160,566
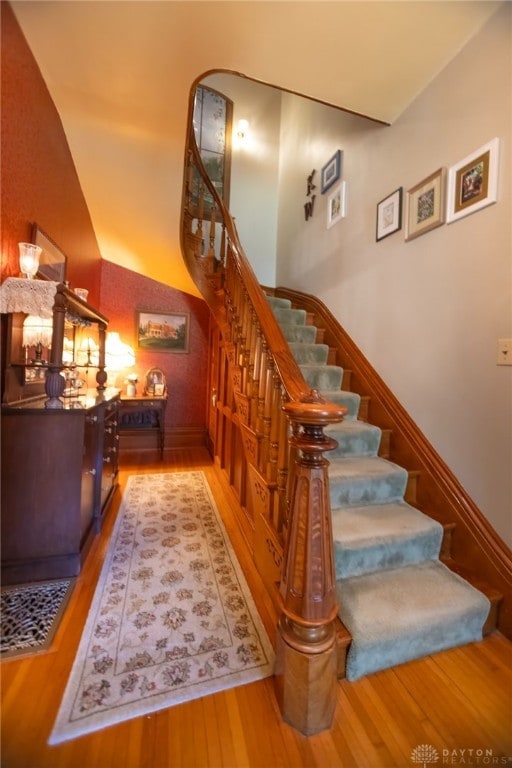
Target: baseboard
179,437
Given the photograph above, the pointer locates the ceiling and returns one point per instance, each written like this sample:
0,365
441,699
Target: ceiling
120,73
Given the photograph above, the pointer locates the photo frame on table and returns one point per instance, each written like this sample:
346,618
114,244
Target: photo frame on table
337,204
52,262
426,205
473,182
389,214
331,171
162,331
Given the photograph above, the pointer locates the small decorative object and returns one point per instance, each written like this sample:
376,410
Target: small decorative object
425,205
131,385
337,205
162,331
389,214
309,204
331,171
29,259
82,293
473,182
155,383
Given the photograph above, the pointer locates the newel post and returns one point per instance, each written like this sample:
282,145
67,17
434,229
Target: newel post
306,663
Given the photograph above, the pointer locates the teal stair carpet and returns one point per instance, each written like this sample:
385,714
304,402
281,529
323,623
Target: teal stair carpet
397,600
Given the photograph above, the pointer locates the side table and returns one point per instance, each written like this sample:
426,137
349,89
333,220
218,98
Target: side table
143,413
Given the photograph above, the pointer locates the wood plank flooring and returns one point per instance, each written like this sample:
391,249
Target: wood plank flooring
458,702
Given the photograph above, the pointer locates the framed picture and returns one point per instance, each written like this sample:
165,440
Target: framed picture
162,331
52,262
331,171
473,183
337,205
425,205
389,214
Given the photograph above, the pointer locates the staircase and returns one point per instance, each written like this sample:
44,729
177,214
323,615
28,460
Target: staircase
397,599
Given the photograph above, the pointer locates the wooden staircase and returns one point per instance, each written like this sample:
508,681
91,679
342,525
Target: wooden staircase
424,490
266,433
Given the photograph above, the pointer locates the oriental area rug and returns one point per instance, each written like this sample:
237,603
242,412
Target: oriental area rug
172,618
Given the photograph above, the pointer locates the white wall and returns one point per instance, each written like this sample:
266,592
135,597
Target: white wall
427,313
254,172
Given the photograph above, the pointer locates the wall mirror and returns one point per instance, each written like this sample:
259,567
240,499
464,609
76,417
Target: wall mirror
52,263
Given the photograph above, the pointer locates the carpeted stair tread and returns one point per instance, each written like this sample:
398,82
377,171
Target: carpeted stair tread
365,480
299,333
289,316
382,536
309,354
323,377
355,438
406,613
350,400
277,302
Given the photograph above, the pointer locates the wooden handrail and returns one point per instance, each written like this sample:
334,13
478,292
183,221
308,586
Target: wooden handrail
282,421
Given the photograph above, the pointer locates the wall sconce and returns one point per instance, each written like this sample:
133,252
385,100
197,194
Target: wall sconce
118,355
37,332
242,130
29,259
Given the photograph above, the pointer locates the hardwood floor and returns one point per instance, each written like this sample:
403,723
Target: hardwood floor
454,702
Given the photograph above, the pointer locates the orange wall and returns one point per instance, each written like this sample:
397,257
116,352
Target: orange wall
39,181
123,292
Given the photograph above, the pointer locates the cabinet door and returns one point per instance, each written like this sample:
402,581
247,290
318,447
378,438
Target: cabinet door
110,455
89,473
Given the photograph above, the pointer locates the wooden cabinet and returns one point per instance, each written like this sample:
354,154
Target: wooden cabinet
58,476
59,451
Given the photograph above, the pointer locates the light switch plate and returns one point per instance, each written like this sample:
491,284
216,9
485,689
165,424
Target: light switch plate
504,352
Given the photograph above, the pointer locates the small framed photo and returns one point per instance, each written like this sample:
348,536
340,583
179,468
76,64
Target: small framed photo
389,214
331,171
473,183
425,205
337,204
162,331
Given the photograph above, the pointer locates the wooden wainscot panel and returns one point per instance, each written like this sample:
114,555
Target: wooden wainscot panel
268,556
236,378
251,442
268,551
242,407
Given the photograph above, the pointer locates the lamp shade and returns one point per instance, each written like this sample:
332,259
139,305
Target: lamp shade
29,258
118,355
37,330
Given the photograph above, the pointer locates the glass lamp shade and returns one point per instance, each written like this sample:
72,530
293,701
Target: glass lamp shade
37,333
118,355
29,259
37,330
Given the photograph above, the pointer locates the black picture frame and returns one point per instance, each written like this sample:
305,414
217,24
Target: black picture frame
389,214
331,171
162,331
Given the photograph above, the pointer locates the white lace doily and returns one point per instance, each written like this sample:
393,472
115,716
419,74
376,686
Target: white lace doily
34,297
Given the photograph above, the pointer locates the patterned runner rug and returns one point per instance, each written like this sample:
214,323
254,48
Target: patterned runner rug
172,618
30,615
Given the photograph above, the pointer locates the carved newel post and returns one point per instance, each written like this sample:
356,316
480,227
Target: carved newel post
306,661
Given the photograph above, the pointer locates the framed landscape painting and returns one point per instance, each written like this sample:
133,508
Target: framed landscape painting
162,331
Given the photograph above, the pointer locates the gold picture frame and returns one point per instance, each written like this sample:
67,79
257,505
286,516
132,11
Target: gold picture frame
473,182
426,205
